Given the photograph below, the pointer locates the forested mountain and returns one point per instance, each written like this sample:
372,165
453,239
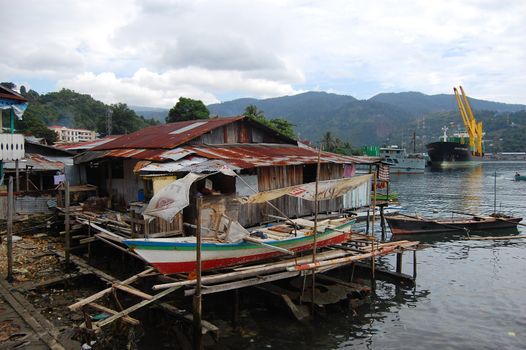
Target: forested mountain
71,109
387,118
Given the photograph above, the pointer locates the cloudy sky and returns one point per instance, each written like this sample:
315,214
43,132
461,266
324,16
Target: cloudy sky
152,52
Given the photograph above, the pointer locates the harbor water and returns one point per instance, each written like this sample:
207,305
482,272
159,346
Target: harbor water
468,295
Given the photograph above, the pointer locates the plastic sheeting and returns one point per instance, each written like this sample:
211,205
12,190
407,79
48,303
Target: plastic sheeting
326,190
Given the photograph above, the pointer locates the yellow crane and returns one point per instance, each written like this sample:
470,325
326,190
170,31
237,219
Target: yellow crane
473,127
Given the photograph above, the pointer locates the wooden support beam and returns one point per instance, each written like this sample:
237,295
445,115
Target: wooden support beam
136,307
78,305
243,283
102,308
133,291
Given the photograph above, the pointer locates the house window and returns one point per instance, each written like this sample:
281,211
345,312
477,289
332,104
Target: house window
309,173
117,168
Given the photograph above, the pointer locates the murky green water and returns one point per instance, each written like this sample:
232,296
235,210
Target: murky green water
469,294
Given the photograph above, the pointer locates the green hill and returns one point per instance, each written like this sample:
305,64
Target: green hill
387,118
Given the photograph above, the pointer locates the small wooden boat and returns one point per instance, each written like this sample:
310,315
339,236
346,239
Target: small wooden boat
518,177
175,255
408,225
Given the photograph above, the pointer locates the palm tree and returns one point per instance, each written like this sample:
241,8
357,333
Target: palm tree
251,111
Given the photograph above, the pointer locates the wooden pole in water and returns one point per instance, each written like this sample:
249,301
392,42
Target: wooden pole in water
495,194
399,262
382,221
197,296
67,238
414,264
10,210
314,244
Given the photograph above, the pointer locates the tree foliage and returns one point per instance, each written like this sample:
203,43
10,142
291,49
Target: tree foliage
187,109
279,124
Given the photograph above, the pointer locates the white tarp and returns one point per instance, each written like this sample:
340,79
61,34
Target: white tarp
171,199
326,190
175,197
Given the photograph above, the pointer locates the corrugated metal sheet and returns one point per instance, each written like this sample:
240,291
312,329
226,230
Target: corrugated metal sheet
262,155
166,136
36,162
88,144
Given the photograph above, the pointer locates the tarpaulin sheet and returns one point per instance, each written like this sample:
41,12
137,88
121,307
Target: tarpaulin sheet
328,189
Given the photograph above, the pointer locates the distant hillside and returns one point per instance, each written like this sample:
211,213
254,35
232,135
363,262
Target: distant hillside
384,118
418,103
155,113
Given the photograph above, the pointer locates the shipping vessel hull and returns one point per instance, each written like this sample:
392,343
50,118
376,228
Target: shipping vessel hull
443,153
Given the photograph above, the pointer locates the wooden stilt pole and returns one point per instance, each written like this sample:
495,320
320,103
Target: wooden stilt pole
382,222
314,235
197,296
10,210
67,237
17,175
414,264
399,262
110,185
235,311
27,178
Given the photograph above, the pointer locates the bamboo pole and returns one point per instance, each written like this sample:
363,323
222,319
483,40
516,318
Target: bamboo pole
314,234
345,259
197,296
10,209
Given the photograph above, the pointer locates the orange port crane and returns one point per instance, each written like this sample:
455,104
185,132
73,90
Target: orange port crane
473,127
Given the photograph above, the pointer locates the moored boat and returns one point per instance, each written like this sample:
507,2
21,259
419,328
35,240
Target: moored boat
176,255
406,225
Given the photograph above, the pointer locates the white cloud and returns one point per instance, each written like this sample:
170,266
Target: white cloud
148,88
156,51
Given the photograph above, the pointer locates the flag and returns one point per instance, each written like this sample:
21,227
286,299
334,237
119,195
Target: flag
383,172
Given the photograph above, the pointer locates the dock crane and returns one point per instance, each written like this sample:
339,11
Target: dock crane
473,127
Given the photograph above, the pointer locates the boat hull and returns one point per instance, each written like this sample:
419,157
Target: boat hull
450,153
407,226
175,257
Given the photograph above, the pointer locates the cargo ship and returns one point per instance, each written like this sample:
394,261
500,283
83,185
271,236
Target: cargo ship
461,148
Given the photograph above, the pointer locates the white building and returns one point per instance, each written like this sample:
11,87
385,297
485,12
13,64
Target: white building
68,135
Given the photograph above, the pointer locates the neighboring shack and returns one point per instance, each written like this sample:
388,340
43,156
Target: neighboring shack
132,168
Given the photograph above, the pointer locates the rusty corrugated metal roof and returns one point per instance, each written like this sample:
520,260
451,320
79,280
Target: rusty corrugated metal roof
87,144
260,155
167,136
240,155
